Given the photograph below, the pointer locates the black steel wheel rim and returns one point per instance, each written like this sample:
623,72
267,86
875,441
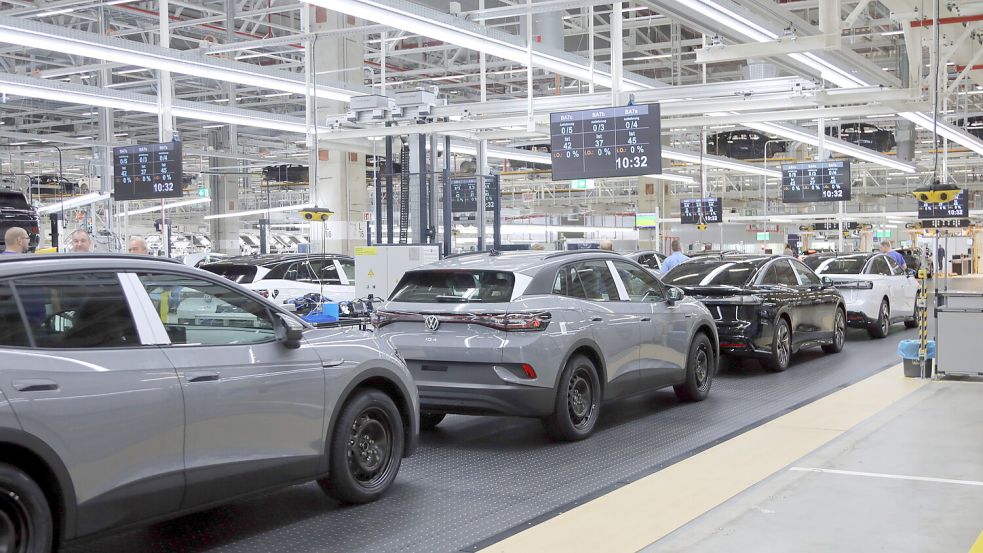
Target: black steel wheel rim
783,345
840,331
883,318
702,368
370,447
15,523
580,398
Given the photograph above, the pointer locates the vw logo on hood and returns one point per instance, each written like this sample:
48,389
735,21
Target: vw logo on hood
431,322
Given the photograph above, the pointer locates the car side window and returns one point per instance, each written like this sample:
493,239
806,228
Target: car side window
879,266
893,266
641,285
199,312
806,275
784,273
77,311
590,280
348,266
568,283
324,271
12,329
648,260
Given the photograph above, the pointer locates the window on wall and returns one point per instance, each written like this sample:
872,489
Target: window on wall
77,311
199,312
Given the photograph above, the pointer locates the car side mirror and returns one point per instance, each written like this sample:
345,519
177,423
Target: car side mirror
289,332
827,281
674,295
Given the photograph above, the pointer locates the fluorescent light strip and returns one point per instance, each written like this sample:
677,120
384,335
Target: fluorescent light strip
297,207
834,145
47,37
720,163
172,205
72,203
944,130
673,178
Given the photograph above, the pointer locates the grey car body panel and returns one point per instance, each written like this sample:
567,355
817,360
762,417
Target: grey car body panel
464,367
113,427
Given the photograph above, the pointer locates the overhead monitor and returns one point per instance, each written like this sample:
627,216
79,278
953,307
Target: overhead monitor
835,226
957,208
464,194
606,142
696,210
147,171
646,220
819,181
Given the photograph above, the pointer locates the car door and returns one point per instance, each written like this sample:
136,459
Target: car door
904,289
664,340
818,302
885,284
331,278
780,286
92,384
254,409
615,329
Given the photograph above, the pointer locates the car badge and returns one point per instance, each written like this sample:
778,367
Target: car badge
432,323
275,293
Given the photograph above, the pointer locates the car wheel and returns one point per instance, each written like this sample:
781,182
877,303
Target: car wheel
781,346
429,421
26,525
578,402
366,448
880,327
699,371
839,333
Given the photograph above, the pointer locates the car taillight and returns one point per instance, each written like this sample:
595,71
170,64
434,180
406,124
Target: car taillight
856,285
35,230
530,372
514,322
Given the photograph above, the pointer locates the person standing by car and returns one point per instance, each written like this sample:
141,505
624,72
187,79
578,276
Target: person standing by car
80,241
675,258
886,249
138,246
16,240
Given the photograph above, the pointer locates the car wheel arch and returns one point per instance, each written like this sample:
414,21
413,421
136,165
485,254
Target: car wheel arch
711,335
382,379
590,350
31,455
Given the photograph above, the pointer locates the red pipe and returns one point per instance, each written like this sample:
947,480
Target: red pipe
961,68
947,20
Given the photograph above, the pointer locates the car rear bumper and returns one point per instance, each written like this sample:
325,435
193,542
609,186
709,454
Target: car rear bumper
741,341
504,399
858,319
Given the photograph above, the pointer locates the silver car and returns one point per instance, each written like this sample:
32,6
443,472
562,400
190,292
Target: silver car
134,389
546,335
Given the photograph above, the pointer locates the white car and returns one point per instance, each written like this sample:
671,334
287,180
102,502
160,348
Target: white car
877,291
282,278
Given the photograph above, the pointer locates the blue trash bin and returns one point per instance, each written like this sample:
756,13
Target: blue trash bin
908,350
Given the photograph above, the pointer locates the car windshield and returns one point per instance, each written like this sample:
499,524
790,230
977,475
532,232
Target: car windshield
455,287
243,274
851,265
15,200
721,273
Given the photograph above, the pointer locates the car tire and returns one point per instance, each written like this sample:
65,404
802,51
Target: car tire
781,347
879,328
366,448
839,333
429,421
578,402
26,524
699,370
913,321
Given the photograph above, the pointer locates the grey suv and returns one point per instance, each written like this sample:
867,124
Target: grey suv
545,335
134,389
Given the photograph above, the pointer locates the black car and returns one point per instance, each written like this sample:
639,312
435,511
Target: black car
53,184
767,307
15,211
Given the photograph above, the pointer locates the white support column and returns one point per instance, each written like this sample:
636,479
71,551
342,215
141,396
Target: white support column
617,51
166,90
482,64
590,46
481,172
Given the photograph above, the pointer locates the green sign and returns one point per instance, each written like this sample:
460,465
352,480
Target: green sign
582,184
646,220
882,234
764,236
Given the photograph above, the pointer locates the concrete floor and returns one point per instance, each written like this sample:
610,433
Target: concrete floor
935,433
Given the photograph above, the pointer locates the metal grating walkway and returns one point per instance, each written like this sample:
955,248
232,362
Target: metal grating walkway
478,479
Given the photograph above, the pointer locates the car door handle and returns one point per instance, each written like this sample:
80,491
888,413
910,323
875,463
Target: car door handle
597,319
646,319
332,363
204,376
35,385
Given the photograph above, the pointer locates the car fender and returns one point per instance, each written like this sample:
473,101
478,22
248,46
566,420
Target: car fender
29,442
588,342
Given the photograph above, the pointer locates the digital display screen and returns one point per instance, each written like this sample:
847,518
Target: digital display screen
711,209
606,142
147,171
848,225
820,181
945,223
646,220
464,194
957,208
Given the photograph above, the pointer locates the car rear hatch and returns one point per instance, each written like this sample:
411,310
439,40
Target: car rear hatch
452,325
735,310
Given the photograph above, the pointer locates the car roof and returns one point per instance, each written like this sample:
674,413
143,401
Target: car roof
756,260
273,259
11,265
526,261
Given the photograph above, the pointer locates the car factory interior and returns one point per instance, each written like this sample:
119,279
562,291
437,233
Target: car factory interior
501,276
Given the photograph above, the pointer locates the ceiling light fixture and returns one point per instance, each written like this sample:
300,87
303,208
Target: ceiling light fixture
71,203
279,209
172,205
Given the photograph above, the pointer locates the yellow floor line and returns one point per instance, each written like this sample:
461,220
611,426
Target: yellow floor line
978,546
648,509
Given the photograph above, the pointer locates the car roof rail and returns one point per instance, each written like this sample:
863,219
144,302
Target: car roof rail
97,255
592,251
